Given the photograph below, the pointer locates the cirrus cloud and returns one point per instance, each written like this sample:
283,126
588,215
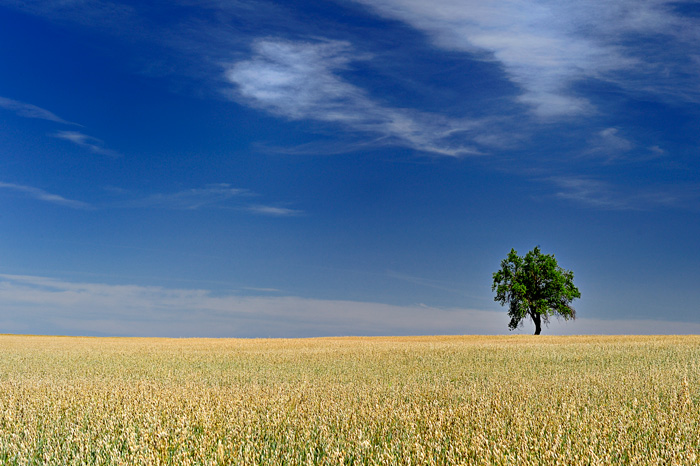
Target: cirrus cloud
300,80
26,110
42,305
41,195
547,47
90,143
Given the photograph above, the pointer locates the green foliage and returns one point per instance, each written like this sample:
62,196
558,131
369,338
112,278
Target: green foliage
534,286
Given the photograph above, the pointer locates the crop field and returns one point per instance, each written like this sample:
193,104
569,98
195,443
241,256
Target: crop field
414,400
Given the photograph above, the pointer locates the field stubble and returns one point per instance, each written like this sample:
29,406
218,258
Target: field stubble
413,400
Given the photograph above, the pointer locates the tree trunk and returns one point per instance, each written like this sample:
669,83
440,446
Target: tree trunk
538,322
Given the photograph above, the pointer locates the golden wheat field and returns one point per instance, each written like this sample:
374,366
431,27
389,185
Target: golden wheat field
414,400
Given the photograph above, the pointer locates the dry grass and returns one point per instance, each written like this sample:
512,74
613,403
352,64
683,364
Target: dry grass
422,400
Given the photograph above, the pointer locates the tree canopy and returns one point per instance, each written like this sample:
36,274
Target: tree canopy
534,286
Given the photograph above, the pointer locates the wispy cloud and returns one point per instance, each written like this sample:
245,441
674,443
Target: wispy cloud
45,305
603,195
213,195
590,192
190,199
273,211
26,110
90,143
609,144
41,195
220,194
217,195
34,304
262,290
546,47
300,80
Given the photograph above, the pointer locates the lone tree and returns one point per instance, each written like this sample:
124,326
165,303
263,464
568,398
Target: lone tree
534,286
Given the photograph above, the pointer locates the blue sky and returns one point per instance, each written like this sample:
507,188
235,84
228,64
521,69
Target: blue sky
290,169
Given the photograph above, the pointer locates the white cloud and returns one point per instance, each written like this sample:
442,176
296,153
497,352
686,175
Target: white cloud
31,111
44,305
41,195
544,46
274,211
299,80
211,195
657,151
602,195
611,139
94,145
609,144
547,46
191,199
588,191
